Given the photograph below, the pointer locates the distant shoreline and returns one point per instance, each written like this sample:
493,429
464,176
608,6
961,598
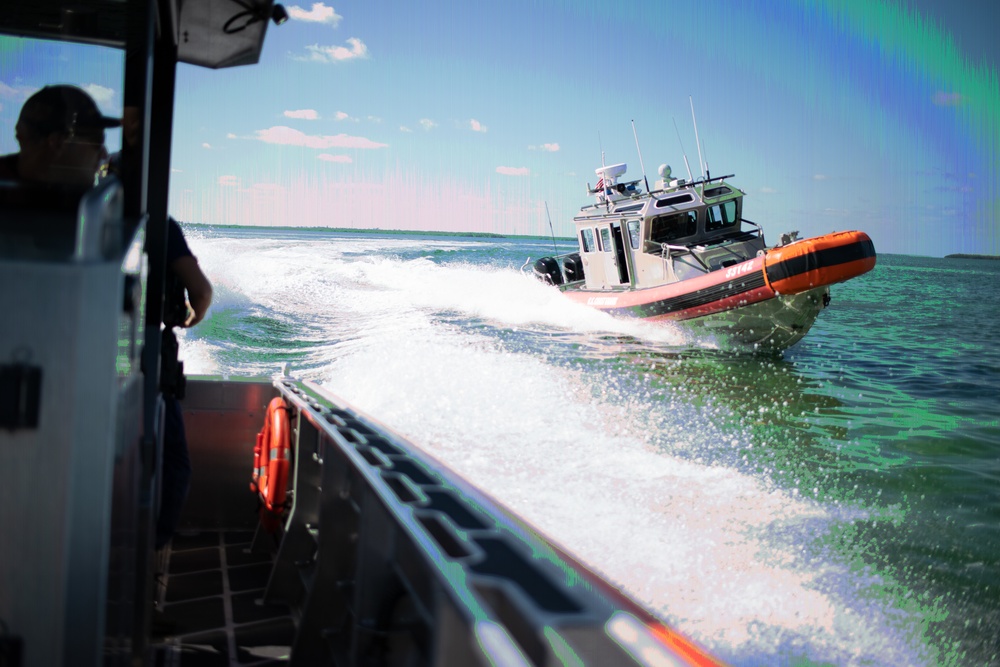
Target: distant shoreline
967,256
354,230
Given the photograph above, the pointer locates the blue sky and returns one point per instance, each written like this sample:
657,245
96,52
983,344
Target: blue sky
880,115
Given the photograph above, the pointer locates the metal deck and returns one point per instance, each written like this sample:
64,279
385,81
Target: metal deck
209,598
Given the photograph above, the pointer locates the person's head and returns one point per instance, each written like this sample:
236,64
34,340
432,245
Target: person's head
61,135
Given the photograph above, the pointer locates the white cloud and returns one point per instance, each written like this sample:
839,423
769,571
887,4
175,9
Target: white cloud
551,148
374,119
767,191
291,137
819,177
206,145
7,91
343,115
427,123
229,181
267,187
101,94
476,125
403,128
304,114
330,54
175,170
230,135
513,171
319,13
327,157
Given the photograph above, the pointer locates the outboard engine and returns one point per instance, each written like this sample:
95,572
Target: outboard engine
547,270
573,267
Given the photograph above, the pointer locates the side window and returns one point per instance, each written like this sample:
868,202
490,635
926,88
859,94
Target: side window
587,240
721,216
633,233
667,228
606,239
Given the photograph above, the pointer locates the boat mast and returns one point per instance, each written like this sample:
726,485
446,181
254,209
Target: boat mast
696,139
641,165
683,152
551,231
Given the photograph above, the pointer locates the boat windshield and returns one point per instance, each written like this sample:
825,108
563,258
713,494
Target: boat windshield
721,216
667,228
587,240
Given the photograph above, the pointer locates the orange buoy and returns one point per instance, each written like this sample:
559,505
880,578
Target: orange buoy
271,457
823,260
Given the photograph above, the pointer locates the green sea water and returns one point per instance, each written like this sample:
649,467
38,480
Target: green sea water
835,504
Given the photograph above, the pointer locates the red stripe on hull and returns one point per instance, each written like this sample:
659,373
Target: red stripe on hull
631,298
720,306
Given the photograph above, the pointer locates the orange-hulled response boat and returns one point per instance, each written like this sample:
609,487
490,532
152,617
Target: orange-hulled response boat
683,251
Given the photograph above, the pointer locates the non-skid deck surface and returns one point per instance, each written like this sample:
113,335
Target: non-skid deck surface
209,592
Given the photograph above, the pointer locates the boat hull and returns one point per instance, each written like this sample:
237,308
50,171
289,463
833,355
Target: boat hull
770,301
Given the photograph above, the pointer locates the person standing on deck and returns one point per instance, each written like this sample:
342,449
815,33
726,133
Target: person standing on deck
187,299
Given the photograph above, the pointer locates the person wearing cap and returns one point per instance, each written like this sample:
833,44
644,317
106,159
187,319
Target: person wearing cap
61,136
60,132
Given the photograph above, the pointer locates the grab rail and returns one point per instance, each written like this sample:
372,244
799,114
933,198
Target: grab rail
384,547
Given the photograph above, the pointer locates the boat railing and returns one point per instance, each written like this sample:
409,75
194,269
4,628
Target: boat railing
385,545
760,230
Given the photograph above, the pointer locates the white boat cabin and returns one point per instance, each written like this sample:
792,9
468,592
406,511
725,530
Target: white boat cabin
632,239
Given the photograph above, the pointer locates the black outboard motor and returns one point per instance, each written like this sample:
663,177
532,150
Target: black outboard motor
547,270
573,267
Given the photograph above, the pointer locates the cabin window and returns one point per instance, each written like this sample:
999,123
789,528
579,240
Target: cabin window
721,216
606,239
712,193
587,240
633,233
673,201
667,228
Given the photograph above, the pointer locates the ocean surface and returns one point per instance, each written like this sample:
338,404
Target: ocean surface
838,504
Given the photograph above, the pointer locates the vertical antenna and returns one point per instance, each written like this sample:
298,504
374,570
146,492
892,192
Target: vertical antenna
696,139
604,186
641,165
554,249
683,152
708,172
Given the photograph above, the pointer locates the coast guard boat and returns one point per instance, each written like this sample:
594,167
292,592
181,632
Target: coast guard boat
684,252
312,535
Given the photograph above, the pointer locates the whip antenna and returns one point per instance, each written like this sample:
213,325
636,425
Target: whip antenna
641,165
683,152
551,231
696,139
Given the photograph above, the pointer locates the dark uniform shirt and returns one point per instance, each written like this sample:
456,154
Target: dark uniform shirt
8,168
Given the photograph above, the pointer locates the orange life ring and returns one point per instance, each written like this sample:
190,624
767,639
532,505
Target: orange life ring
271,457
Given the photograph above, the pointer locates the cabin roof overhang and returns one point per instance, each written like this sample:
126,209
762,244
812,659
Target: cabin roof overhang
208,33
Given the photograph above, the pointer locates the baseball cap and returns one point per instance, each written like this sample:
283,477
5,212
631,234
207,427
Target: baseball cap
64,109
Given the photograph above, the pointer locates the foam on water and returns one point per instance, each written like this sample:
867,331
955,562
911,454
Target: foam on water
722,554
691,541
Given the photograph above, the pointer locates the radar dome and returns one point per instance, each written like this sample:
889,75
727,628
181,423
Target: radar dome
664,171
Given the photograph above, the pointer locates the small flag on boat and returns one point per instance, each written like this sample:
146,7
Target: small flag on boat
600,184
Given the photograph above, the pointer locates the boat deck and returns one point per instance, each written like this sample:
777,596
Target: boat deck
208,592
